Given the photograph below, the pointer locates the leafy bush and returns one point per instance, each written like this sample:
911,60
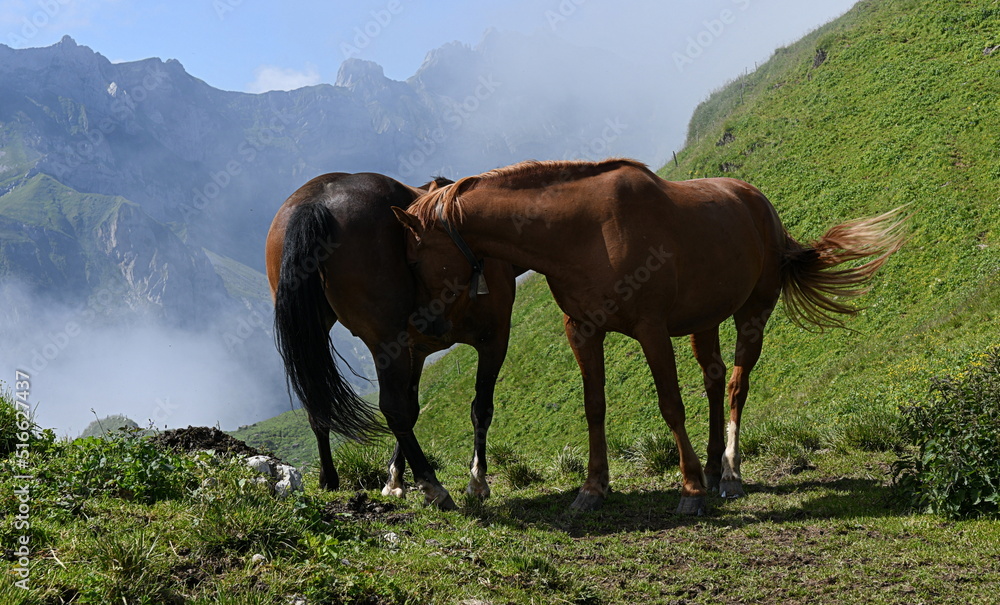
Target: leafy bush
14,428
955,468
123,465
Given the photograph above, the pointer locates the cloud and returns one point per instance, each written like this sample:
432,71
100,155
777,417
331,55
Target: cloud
131,365
269,77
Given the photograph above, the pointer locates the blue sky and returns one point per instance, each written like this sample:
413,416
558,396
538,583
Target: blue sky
251,45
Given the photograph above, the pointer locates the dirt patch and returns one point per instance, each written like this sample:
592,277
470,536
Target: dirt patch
195,438
360,507
819,59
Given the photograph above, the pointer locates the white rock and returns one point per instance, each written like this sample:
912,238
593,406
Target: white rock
261,464
289,480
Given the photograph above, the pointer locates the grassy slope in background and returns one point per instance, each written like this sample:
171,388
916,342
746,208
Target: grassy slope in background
893,104
900,111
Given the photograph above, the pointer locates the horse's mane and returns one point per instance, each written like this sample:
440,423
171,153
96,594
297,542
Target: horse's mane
523,175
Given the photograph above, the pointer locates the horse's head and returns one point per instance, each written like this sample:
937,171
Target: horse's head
436,183
449,276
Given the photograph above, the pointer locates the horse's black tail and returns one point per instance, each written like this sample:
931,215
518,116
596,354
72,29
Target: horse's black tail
301,316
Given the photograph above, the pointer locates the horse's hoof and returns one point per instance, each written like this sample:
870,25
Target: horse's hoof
712,482
445,503
481,490
587,502
436,495
731,488
691,506
396,492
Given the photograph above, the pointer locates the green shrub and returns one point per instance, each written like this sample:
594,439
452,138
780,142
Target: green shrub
656,453
520,475
875,430
363,465
122,465
569,462
14,428
954,469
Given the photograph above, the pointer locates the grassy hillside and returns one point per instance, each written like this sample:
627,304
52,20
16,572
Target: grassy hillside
898,111
892,104
895,103
240,281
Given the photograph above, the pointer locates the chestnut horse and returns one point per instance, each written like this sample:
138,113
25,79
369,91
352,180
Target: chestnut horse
336,253
626,251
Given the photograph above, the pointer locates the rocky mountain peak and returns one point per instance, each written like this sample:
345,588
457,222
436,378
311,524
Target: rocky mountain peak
357,73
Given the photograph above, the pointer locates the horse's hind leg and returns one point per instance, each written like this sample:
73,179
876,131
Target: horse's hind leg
750,321
659,353
395,485
491,356
401,409
707,351
589,352
328,477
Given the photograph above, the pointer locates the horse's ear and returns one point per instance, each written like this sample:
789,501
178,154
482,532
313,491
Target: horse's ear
409,221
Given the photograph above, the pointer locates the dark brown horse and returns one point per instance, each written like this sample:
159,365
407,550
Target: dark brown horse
626,251
336,253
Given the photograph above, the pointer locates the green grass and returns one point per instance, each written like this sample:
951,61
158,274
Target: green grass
240,281
903,110
287,435
44,202
829,533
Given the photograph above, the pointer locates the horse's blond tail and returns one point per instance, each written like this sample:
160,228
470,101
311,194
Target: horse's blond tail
812,292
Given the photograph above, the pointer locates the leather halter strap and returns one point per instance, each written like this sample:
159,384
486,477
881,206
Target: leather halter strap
477,283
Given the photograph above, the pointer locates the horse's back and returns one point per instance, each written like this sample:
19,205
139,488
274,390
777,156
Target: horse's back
723,238
368,283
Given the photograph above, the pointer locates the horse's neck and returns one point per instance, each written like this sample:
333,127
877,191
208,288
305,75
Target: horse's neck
526,231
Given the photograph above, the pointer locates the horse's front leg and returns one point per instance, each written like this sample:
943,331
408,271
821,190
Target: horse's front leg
588,347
